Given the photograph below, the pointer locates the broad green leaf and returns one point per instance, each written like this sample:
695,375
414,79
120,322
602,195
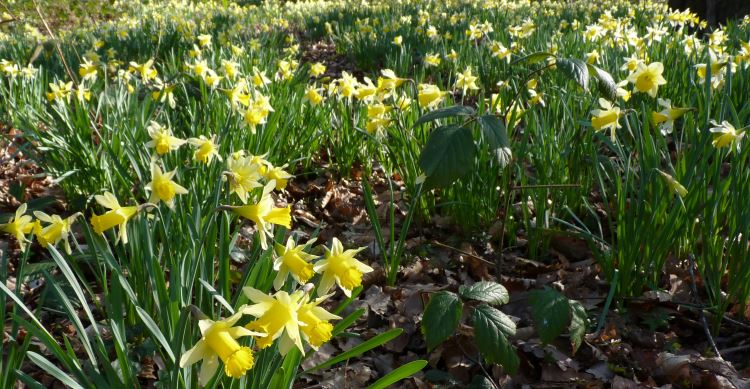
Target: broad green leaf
550,311
534,58
359,349
441,113
448,155
441,317
399,374
575,69
489,292
496,135
604,81
491,328
578,324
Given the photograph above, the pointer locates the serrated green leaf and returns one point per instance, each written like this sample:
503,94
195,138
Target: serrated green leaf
489,292
448,155
550,311
442,113
441,317
533,58
575,69
399,374
578,324
604,81
490,330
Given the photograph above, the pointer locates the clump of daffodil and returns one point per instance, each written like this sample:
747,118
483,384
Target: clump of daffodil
162,187
19,226
60,91
673,184
244,175
340,267
219,343
666,117
265,214
57,229
293,259
117,216
206,149
144,70
430,95
318,328
725,135
607,117
162,139
276,316
648,78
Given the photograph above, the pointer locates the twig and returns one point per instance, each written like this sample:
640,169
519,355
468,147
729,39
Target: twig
463,252
694,289
57,45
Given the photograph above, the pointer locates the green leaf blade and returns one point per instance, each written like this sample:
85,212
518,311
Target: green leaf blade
486,291
550,311
491,328
447,156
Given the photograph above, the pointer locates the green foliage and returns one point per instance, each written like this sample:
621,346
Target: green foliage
553,313
441,317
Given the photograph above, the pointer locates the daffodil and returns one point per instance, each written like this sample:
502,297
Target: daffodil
58,229
430,95
318,328
432,60
648,78
466,81
162,139
606,117
265,214
312,95
162,187
88,70
317,69
340,267
144,70
117,216
293,259
276,316
278,174
666,117
19,226
243,175
206,149
219,343
725,135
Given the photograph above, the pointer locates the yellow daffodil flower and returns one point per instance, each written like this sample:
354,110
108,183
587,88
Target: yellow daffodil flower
317,329
277,174
430,95
340,267
162,139
606,117
117,216
292,259
317,69
19,226
725,135
243,175
162,187
466,81
648,78
219,342
58,229
276,316
206,149
666,117
265,214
